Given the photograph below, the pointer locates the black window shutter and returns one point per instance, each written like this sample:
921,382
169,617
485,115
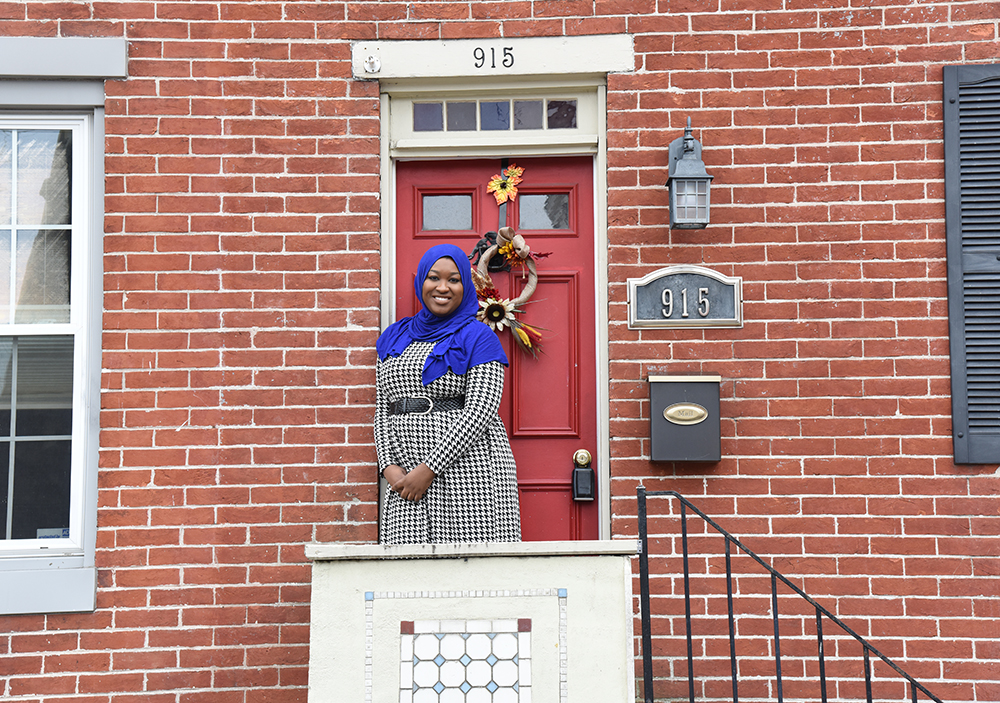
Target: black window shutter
972,199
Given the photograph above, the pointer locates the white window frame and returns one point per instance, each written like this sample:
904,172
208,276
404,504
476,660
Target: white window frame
58,83
582,139
81,128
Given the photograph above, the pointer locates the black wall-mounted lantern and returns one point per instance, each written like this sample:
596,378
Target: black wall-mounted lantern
688,182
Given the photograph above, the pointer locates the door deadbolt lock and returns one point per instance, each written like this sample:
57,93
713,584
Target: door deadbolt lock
583,476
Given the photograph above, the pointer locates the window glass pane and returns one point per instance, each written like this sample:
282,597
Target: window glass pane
461,117
442,212
44,421
40,506
4,275
6,385
43,176
6,174
494,115
527,114
42,285
44,386
562,114
543,211
428,117
4,488
36,492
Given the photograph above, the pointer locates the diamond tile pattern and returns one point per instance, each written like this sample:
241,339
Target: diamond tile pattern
472,661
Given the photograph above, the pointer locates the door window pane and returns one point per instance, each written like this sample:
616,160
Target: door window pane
43,177
543,211
562,114
528,114
447,212
495,115
461,117
428,117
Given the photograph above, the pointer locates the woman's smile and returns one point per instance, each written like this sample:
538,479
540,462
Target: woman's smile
442,290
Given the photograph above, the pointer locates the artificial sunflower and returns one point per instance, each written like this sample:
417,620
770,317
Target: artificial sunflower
497,313
504,185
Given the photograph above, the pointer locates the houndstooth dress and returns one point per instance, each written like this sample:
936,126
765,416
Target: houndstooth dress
473,497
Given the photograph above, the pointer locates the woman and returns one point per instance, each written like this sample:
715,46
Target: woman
441,445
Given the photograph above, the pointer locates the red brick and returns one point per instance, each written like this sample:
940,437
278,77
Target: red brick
828,193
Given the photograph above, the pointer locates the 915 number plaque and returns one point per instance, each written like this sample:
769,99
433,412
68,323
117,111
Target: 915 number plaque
685,296
492,57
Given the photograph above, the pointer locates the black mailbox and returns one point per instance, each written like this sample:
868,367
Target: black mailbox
684,418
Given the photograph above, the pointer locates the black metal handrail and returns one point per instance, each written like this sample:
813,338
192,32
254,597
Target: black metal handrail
821,612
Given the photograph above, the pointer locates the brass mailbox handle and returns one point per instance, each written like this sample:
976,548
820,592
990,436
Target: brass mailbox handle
581,457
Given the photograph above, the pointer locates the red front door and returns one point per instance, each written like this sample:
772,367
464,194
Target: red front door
549,405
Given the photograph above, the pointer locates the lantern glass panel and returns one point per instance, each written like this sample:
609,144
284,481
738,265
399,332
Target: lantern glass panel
690,200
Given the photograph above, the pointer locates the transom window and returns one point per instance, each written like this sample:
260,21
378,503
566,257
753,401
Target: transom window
429,122
493,115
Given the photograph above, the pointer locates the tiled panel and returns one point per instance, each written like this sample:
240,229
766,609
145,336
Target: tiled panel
465,661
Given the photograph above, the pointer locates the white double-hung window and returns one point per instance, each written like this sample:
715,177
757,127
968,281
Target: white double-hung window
51,212
43,218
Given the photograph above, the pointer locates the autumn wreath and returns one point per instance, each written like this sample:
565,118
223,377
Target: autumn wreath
499,312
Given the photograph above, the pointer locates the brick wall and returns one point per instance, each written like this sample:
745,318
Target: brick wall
241,309
823,130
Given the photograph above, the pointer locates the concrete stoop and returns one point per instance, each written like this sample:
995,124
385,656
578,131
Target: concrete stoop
503,623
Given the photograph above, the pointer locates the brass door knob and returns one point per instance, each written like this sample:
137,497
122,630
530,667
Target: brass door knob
581,457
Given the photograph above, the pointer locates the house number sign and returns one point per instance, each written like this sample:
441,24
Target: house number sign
685,296
492,57
512,56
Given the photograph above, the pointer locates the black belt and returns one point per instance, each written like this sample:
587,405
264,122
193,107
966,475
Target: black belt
426,405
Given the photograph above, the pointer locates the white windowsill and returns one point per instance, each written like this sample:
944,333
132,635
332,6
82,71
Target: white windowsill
63,57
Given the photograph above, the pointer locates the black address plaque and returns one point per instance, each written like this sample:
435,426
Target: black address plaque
685,296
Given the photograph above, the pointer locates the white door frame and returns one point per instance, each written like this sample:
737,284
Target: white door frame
556,65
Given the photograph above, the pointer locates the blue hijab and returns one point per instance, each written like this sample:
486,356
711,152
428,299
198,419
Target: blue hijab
462,340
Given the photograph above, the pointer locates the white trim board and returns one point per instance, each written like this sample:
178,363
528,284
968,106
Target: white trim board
492,58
